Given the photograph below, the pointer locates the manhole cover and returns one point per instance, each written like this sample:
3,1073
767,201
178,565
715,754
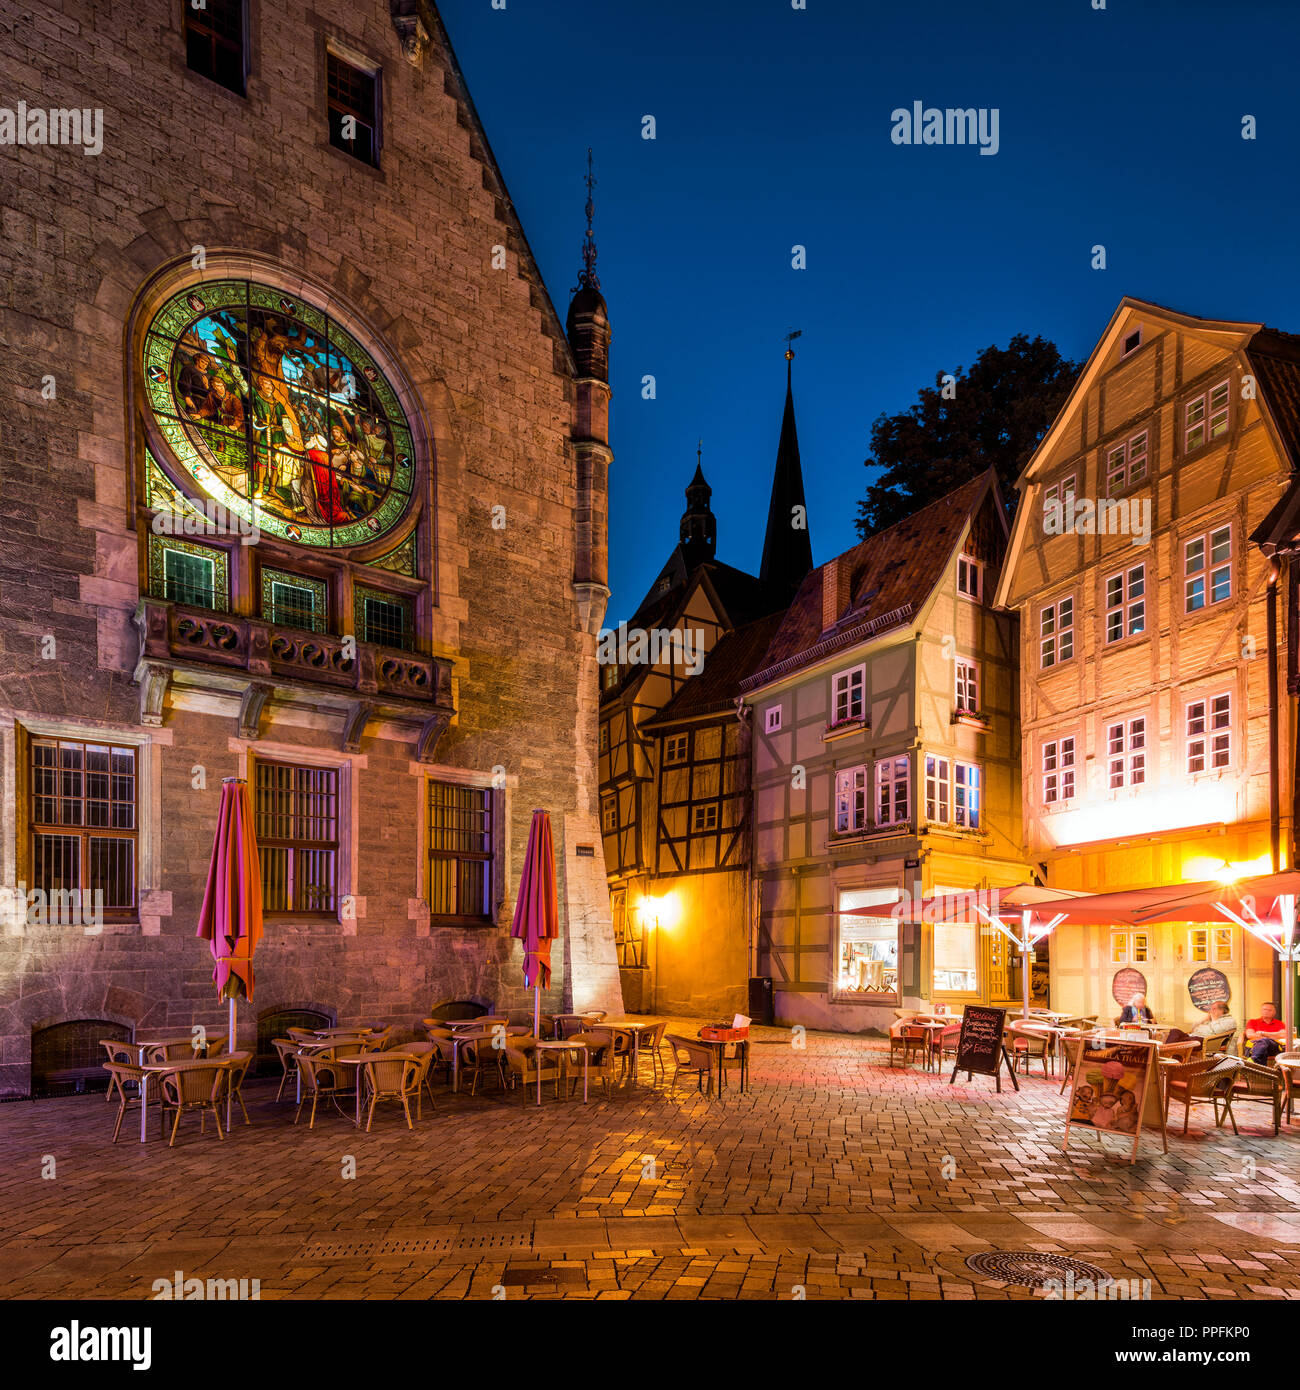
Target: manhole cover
1029,1267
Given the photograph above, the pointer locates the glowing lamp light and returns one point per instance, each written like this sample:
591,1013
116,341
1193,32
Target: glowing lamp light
662,912
1197,869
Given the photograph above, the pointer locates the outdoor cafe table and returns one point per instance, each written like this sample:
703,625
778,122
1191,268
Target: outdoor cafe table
463,1035
632,1028
1290,1069
151,1069
362,1059
550,1045
742,1051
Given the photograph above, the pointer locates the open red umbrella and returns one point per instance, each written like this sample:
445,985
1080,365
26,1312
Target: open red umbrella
537,911
230,919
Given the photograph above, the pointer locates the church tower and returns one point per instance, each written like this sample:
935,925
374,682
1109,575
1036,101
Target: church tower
699,527
787,545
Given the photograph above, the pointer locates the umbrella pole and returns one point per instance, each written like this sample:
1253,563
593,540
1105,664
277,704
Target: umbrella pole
537,1012
1024,960
230,1047
1288,966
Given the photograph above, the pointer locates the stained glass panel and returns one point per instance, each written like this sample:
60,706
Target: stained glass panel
279,415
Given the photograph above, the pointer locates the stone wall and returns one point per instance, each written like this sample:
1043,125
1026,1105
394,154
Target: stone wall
409,250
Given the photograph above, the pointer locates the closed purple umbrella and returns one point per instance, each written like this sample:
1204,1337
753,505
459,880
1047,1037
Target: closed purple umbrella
537,911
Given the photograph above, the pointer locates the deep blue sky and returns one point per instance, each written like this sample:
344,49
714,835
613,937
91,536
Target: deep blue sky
1120,127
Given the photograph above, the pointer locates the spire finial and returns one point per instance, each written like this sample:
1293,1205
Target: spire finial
789,340
587,277
699,454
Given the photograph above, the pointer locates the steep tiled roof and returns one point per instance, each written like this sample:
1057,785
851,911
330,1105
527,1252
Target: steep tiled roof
1276,358
717,686
892,572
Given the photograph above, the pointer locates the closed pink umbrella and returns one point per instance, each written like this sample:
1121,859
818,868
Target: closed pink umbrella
230,919
537,911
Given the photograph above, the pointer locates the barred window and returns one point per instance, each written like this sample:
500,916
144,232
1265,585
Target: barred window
84,824
460,853
297,816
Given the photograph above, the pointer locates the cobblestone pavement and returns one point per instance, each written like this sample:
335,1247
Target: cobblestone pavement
835,1176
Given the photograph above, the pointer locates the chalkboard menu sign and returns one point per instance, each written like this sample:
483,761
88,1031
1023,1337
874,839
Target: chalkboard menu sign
1209,986
979,1048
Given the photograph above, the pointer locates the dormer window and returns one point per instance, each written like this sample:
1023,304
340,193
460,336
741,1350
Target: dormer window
1131,343
970,577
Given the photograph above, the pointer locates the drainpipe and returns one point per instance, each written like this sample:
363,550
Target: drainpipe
1274,787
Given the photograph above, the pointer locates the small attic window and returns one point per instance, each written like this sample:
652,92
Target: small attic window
1132,342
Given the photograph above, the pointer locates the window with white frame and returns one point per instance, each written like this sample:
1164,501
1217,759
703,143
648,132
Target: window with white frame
1205,417
1126,605
1209,734
1128,948
970,577
1126,757
848,697
1056,632
1207,569
938,790
850,800
966,795
893,795
1059,494
772,718
676,748
967,695
1126,463
1058,770
1210,945
705,817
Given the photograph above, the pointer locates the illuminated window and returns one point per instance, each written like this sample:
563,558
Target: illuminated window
1126,753
893,796
967,692
609,677
970,577
848,695
1058,770
384,619
772,719
297,822
1126,606
676,748
1128,948
460,852
352,100
956,949
1126,463
966,795
938,799
1205,417
1056,632
1207,569
1209,734
1210,945
850,800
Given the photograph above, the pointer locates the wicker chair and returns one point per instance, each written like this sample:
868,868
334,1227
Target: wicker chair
457,1009
194,1088
441,1041
1288,1079
287,1051
603,1059
216,1044
119,1053
478,1053
426,1055
122,1076
1181,1051
237,1064
692,1056
947,1041
1028,1043
169,1052
302,1035
651,1042
523,1061
392,1078
1254,1083
319,1079
1216,1044
909,1040
1201,1079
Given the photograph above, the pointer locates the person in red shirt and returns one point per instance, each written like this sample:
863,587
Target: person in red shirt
1264,1034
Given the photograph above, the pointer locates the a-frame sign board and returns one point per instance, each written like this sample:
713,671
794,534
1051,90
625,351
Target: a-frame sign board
980,1048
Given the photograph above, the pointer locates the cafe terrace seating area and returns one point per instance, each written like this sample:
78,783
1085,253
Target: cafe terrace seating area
370,1073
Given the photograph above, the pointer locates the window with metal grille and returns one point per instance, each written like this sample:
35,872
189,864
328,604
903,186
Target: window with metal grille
215,41
67,1058
84,825
352,97
293,601
460,853
385,621
189,579
297,815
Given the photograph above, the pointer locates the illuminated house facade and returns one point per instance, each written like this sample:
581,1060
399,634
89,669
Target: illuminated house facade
1145,657
886,760
675,754
386,621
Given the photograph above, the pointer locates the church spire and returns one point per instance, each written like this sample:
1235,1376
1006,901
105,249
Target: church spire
787,546
588,321
699,529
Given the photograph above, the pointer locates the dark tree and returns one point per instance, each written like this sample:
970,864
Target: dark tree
999,410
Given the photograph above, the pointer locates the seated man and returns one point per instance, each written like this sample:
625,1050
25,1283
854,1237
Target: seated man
1216,1023
1264,1034
1135,1011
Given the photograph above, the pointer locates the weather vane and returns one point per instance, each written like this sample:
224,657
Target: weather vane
587,277
789,338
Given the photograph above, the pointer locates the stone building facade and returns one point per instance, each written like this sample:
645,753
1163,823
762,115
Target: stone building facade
302,203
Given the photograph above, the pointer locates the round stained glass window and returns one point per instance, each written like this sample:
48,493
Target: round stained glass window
277,413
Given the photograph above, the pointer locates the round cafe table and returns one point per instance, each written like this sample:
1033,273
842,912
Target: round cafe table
550,1045
152,1069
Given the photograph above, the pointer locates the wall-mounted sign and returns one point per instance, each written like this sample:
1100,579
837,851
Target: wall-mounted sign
1209,986
1126,984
